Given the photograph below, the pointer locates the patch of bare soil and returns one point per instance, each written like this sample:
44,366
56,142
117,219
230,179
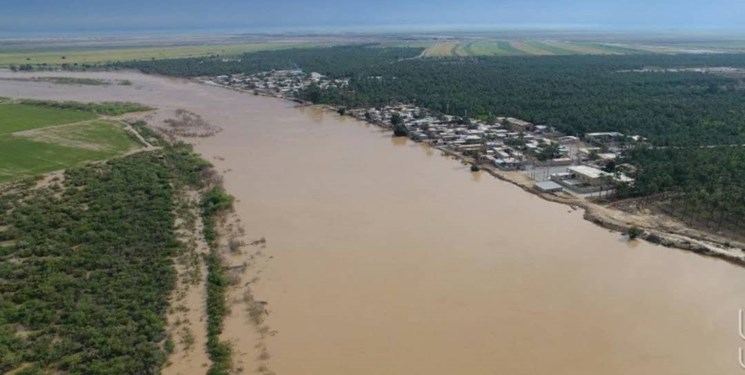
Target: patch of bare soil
60,135
660,207
187,317
188,124
51,179
20,369
665,230
128,127
8,243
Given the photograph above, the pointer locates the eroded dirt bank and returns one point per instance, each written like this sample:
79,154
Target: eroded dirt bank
658,229
383,257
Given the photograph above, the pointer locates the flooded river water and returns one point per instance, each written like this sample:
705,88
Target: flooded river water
388,258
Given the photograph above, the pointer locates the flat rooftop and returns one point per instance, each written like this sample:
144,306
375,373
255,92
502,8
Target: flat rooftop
548,186
586,171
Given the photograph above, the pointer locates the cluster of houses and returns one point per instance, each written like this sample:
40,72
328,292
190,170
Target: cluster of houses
504,142
283,83
579,166
512,144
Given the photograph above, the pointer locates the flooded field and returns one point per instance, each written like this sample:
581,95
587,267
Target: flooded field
384,257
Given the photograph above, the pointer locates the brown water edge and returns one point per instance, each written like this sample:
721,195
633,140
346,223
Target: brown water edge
187,317
388,258
659,229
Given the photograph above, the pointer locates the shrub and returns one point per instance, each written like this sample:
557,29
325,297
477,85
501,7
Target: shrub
634,232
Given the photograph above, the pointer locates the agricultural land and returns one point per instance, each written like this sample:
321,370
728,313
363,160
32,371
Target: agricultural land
36,137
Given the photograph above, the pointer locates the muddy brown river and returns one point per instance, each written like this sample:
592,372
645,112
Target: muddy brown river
384,257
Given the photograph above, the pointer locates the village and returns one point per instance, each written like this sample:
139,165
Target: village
583,167
281,83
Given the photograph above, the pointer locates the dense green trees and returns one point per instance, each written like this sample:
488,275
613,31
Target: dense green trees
215,201
220,352
85,267
704,186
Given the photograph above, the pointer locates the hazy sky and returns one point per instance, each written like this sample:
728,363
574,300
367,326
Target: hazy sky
22,16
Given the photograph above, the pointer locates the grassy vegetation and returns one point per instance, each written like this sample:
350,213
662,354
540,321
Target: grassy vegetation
473,48
530,48
82,81
550,48
17,117
508,48
732,46
617,49
75,81
105,136
42,136
408,43
105,55
488,48
441,49
583,48
103,108
53,149
484,48
86,266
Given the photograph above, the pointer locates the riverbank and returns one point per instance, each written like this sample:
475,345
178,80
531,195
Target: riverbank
384,256
657,228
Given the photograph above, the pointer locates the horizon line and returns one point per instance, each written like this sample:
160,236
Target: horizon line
368,30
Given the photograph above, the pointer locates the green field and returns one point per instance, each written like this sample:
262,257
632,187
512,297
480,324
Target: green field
37,139
521,48
18,117
441,49
59,56
582,48
551,49
484,47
